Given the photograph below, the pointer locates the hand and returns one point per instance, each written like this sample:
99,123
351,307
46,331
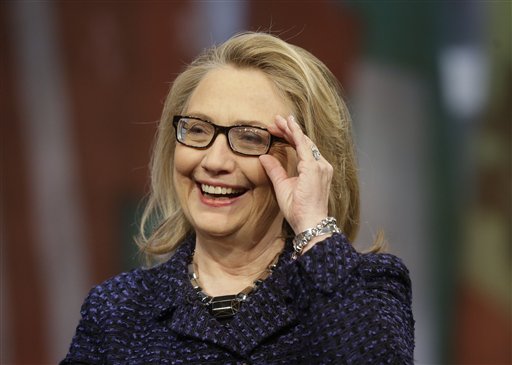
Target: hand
303,199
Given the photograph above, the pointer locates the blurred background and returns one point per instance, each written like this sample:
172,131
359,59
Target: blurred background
429,87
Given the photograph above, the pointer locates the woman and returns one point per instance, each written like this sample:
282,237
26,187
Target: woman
253,171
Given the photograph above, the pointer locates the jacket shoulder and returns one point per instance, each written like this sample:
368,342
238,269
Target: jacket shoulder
386,273
135,287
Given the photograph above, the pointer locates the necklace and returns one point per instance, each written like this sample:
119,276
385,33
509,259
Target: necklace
226,306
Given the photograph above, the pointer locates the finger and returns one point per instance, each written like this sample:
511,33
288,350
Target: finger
303,144
273,168
280,129
290,130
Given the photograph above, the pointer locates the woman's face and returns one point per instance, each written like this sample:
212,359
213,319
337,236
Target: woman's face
227,96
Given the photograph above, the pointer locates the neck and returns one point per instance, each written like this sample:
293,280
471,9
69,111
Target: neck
227,266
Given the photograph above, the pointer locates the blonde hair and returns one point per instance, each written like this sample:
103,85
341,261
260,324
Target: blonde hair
319,109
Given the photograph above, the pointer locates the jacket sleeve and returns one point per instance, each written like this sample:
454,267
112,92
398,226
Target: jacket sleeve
86,346
387,287
376,288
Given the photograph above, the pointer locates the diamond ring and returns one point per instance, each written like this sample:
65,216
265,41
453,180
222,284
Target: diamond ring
315,152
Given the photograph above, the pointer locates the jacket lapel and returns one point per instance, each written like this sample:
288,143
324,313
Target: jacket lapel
274,305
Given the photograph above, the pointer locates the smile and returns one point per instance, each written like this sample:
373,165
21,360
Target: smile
221,191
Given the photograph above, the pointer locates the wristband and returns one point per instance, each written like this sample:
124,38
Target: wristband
327,225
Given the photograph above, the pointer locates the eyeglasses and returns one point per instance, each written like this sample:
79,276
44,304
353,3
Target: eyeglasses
243,139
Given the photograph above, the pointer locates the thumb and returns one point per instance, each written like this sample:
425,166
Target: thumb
273,168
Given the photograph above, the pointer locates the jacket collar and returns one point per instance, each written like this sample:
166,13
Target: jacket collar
275,304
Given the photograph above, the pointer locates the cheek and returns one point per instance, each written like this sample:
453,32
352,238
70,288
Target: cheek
256,174
264,191
265,208
184,161
287,156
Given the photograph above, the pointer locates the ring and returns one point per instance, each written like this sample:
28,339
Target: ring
315,152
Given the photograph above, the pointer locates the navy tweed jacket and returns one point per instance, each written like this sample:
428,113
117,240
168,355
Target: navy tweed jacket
332,305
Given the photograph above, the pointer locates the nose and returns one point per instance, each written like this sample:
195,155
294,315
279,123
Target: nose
218,158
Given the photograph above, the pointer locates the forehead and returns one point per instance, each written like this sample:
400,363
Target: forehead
229,95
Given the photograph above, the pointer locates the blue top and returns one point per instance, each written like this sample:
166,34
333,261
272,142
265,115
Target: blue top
331,305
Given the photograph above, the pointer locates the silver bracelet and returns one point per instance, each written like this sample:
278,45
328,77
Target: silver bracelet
327,225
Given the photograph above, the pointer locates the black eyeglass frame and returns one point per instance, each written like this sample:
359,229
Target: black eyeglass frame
225,130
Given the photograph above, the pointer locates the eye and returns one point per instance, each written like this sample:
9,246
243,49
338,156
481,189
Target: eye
196,127
195,133
250,136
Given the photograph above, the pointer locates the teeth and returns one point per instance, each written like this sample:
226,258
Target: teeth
210,189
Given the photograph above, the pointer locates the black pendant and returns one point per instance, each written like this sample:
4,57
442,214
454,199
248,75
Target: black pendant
225,307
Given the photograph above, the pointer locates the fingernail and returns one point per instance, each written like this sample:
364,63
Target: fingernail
292,118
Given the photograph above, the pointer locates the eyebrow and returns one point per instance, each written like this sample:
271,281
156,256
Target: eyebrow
250,123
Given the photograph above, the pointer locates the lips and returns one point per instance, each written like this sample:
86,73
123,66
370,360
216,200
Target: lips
216,191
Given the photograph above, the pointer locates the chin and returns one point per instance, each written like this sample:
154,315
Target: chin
216,231
215,224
